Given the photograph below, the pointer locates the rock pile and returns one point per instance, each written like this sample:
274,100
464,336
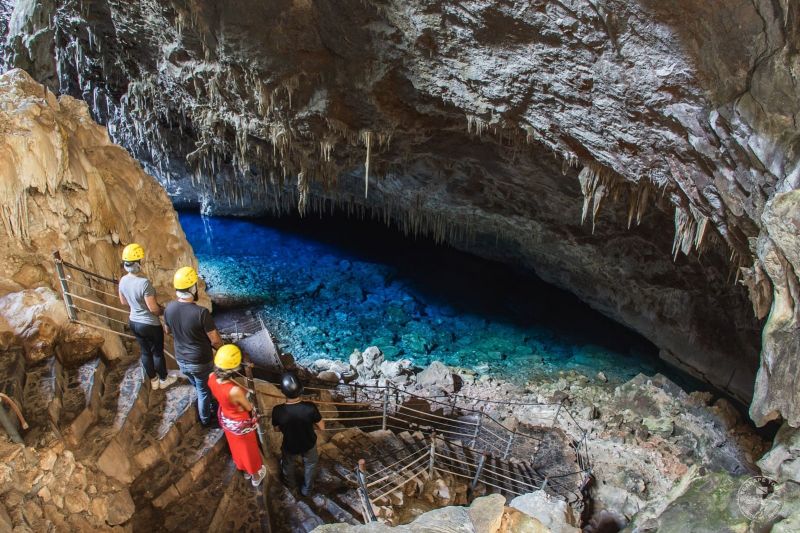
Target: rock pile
369,367
46,489
488,514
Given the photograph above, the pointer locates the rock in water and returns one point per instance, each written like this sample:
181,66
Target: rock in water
372,357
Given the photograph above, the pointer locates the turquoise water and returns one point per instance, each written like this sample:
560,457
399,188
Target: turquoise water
327,287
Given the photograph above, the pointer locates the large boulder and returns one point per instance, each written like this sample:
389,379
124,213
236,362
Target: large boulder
36,320
552,512
372,359
436,376
782,462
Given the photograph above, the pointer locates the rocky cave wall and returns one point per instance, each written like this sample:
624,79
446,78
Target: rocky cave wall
65,186
642,154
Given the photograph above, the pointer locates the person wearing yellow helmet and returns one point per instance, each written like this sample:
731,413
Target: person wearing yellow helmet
136,292
236,415
196,337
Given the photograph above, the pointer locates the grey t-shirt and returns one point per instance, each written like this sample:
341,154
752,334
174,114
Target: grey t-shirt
134,288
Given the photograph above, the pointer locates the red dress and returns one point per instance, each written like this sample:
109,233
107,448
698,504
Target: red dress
244,448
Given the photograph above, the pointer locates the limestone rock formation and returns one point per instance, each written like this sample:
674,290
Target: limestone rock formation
461,119
67,187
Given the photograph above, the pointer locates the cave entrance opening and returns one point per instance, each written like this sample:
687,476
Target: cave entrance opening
329,286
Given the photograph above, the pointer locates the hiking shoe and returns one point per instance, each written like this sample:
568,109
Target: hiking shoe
164,383
259,476
154,383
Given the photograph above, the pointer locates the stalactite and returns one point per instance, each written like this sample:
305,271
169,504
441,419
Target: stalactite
475,125
366,137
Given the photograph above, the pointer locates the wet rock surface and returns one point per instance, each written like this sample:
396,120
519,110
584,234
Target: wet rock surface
293,106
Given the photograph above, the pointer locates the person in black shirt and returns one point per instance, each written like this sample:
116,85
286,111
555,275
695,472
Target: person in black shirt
195,338
296,420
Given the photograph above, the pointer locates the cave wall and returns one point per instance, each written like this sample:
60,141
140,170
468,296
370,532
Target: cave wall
642,154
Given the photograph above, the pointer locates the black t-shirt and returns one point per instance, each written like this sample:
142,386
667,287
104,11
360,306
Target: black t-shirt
189,324
296,422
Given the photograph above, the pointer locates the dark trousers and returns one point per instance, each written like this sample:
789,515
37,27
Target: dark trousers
310,459
151,342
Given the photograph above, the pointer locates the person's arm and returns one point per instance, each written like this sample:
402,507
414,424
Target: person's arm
211,330
150,298
153,306
167,331
214,337
239,397
274,418
318,421
122,299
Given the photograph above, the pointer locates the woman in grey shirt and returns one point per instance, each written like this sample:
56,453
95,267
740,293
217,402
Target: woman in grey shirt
136,292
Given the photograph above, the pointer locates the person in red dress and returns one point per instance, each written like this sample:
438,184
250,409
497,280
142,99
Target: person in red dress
236,414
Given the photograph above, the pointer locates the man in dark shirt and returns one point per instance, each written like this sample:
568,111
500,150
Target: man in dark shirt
296,420
195,335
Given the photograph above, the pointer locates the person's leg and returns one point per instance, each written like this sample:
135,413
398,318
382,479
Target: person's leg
287,469
206,406
145,348
310,460
159,362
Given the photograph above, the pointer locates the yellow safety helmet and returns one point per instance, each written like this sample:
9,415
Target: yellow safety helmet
133,252
228,357
184,278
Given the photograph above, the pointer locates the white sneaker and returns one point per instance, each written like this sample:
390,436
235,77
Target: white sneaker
259,476
154,383
164,383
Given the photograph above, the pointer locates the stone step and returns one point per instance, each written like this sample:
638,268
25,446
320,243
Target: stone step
12,373
239,508
291,514
161,419
174,474
197,507
171,414
337,513
41,404
122,385
340,490
82,398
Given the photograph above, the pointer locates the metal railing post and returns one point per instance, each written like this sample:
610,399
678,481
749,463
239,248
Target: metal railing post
477,429
361,471
9,426
509,444
478,472
558,412
62,280
432,452
385,406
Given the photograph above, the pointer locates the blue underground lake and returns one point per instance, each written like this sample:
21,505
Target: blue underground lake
327,287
